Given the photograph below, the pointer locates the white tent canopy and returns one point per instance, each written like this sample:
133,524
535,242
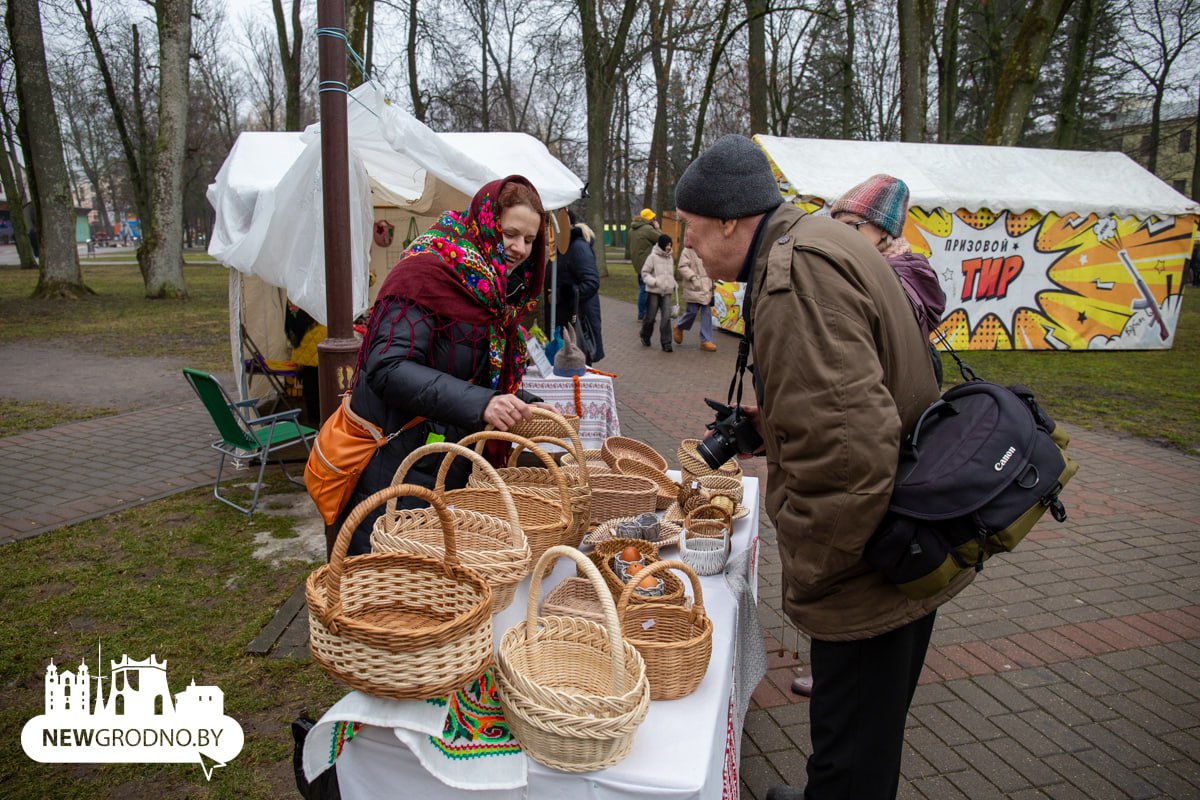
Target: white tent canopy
975,177
267,195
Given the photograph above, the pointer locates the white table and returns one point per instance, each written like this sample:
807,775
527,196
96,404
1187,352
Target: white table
686,749
597,408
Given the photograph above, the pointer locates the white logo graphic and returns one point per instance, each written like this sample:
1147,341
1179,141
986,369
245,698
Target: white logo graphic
136,723
1004,458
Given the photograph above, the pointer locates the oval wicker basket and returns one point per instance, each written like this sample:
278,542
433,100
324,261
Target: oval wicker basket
602,557
615,447
675,642
546,423
399,625
691,465
617,495
493,544
668,532
594,461
710,486
573,691
544,520
667,489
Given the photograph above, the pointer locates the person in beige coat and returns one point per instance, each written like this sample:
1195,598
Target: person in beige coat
842,373
698,295
658,274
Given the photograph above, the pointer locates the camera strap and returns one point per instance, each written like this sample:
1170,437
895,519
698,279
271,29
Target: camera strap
734,397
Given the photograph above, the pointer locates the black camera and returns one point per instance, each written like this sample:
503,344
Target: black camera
732,433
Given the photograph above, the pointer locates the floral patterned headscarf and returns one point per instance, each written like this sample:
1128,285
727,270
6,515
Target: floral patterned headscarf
456,270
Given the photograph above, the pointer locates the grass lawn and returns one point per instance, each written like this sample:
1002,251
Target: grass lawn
17,416
175,578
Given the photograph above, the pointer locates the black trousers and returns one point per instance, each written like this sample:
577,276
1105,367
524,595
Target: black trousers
860,698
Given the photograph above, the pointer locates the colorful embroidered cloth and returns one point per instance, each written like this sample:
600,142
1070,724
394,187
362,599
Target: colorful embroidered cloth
461,739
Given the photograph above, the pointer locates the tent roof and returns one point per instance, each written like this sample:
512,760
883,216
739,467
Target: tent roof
974,177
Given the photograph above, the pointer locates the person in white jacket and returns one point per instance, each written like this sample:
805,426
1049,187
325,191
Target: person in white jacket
658,275
698,295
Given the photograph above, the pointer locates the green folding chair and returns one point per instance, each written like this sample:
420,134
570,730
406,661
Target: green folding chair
244,438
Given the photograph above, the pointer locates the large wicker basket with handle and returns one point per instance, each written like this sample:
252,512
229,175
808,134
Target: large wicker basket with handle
573,691
399,625
675,642
544,520
491,543
548,427
603,554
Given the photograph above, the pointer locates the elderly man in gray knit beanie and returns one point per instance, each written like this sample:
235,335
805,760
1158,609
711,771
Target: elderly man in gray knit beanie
842,373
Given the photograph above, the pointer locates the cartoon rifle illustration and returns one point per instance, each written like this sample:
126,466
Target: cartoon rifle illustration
1147,300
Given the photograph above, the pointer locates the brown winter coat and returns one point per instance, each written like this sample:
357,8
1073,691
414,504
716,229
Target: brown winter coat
697,286
843,375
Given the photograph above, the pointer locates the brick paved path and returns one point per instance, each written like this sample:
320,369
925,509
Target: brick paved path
1070,669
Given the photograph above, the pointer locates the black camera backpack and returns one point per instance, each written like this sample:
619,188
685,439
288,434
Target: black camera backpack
982,465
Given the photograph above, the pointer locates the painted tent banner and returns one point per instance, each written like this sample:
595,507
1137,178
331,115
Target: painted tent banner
1055,282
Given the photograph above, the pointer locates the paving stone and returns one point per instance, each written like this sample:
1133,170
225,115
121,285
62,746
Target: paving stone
759,776
767,735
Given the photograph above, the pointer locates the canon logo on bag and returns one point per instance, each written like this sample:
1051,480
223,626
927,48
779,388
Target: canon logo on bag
1004,458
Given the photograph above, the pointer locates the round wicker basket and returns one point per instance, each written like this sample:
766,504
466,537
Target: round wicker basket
603,554
491,543
573,691
615,447
399,625
667,489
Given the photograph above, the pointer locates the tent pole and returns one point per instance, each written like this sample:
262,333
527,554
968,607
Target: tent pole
335,355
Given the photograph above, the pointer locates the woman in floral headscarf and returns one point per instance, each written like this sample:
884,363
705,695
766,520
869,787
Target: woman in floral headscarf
444,345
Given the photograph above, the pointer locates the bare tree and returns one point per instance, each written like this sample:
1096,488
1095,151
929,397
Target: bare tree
10,173
60,275
289,59
947,72
916,37
1160,31
161,253
1017,83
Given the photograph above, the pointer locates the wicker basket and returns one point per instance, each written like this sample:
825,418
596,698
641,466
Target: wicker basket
602,557
668,532
573,691
675,642
492,544
709,519
399,625
691,465
544,520
573,597
667,489
615,447
709,486
617,495
704,554
547,423
594,461
676,514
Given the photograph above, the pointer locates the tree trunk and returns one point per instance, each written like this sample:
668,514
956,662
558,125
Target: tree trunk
356,34
710,77
289,60
948,73
1155,128
1196,156
162,240
848,94
484,105
916,25
1068,111
20,232
413,87
1018,81
756,66
60,275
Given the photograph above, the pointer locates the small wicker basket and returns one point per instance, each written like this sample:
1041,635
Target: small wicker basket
603,554
675,642
399,625
704,554
668,532
615,447
617,495
594,461
667,489
574,597
491,543
547,423
573,691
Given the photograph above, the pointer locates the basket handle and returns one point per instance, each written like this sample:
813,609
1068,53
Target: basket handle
662,566
576,444
333,577
725,532
695,514
556,473
452,451
616,641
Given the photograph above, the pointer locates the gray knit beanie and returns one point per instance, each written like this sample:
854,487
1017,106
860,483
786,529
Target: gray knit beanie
730,180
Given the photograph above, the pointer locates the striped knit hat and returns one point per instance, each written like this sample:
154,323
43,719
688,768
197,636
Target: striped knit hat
880,199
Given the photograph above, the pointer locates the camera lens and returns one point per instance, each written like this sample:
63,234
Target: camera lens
715,449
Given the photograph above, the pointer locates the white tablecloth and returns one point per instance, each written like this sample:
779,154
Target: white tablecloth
597,408
687,749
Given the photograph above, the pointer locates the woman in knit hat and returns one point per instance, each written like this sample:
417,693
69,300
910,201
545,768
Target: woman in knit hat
877,208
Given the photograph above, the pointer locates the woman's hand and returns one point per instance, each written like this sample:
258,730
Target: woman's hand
505,410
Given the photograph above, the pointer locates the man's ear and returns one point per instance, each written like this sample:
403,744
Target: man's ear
728,226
